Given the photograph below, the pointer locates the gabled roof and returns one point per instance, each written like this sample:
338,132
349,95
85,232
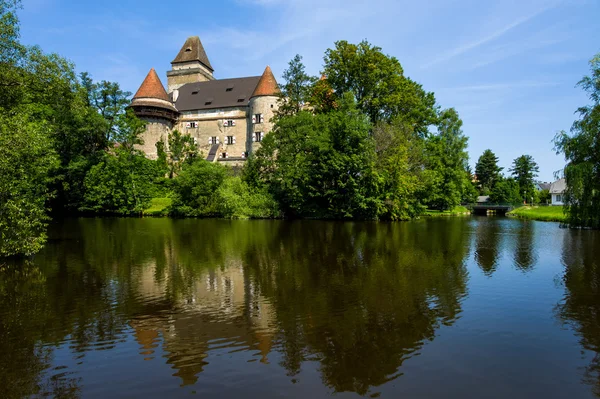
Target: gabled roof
152,88
267,86
558,187
222,93
193,50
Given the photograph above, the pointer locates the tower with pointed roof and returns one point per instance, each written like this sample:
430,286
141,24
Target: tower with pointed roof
227,118
152,104
263,105
190,66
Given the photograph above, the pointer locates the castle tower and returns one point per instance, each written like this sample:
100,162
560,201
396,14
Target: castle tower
190,66
262,107
152,104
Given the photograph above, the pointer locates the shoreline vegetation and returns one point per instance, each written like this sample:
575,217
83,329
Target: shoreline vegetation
355,144
541,213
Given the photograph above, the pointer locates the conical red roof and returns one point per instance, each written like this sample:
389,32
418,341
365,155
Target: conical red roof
152,88
267,85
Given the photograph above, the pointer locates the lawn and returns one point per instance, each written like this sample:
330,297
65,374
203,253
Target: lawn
456,211
544,213
158,206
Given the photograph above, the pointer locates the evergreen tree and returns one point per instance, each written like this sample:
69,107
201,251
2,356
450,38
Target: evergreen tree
487,171
297,87
524,169
582,152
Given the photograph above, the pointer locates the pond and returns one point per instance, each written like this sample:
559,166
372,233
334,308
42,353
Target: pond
450,307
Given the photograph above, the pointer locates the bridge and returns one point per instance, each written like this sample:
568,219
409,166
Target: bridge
483,208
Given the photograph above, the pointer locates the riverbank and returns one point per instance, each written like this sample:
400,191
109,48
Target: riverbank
543,213
456,211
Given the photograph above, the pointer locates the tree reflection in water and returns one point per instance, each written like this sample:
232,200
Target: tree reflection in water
581,305
359,298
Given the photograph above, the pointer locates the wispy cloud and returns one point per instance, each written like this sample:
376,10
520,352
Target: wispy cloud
489,37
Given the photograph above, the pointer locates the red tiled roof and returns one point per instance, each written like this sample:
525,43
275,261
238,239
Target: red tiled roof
152,88
267,85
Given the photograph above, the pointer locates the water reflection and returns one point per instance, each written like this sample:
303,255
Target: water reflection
525,249
487,244
357,298
581,305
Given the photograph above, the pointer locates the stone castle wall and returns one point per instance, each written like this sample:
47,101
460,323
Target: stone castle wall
156,129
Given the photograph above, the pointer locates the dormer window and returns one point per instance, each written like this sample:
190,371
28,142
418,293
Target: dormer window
188,49
229,87
208,101
195,92
241,99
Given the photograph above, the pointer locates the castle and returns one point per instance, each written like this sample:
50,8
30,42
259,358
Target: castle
228,118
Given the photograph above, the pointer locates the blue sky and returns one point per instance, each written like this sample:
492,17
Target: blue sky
509,67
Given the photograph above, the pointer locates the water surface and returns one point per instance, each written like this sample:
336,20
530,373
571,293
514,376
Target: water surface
457,307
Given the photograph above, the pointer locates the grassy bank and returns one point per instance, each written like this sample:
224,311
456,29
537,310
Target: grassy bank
456,211
158,207
544,213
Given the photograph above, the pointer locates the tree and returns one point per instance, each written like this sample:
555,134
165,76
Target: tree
487,171
378,84
399,163
182,149
524,169
26,163
582,153
195,190
319,165
446,176
506,191
296,90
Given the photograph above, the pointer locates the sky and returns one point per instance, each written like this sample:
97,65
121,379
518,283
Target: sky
509,67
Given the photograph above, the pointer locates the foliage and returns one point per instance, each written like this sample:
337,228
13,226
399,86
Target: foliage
487,171
545,197
182,149
399,163
582,152
506,191
524,169
237,201
121,183
26,163
195,189
320,165
296,91
446,176
378,84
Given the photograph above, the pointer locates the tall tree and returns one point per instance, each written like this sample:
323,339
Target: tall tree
26,162
524,169
296,90
446,175
378,84
487,171
582,152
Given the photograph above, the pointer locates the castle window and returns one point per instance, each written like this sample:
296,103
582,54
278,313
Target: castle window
224,155
258,137
213,140
229,122
271,105
230,140
258,118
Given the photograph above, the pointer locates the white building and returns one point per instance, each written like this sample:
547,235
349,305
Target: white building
557,190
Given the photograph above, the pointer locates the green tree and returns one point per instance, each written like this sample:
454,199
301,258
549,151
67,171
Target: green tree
524,169
195,190
506,191
296,90
26,163
320,165
378,84
545,197
487,171
446,176
399,155
582,152
182,149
